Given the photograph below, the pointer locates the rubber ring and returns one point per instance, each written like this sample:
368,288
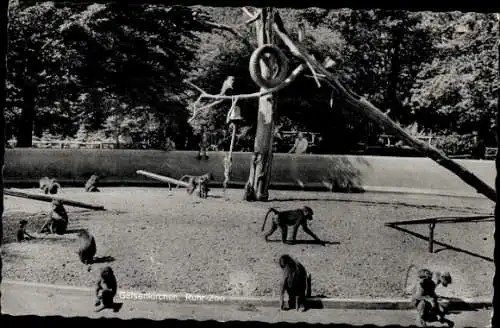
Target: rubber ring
256,72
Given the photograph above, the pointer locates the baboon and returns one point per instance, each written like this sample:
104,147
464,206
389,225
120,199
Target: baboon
295,218
57,222
91,184
86,247
200,182
295,282
21,233
106,289
49,186
425,298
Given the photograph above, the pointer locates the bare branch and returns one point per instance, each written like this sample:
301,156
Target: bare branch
220,98
251,20
252,16
229,29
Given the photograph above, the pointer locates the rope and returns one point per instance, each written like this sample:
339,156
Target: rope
228,162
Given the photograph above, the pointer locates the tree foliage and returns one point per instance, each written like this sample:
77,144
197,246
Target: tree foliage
83,66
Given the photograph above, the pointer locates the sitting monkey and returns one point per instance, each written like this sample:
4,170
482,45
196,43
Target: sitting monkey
21,233
57,222
425,298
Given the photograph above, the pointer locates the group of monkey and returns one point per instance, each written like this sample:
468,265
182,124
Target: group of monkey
296,281
57,223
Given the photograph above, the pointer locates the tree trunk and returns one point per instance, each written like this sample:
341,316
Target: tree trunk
392,92
495,322
3,94
24,139
260,167
29,94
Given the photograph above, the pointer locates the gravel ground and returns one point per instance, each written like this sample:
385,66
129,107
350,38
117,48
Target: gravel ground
167,241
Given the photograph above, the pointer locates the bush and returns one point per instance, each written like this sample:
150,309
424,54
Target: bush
455,144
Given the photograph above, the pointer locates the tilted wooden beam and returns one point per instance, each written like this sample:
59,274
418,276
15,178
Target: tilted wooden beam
163,178
442,220
364,107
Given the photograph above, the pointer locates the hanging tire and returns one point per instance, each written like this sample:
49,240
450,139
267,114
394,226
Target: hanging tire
256,72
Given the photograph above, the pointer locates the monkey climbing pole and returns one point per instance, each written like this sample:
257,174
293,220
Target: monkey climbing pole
260,173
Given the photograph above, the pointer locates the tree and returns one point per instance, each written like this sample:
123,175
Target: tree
456,91
39,70
140,55
382,55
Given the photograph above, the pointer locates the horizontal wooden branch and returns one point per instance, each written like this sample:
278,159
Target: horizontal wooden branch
363,106
47,198
220,98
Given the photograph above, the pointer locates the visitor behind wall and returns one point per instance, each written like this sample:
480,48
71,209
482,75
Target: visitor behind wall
300,145
169,144
125,139
203,144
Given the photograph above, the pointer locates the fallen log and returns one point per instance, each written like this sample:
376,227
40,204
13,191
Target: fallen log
46,198
163,178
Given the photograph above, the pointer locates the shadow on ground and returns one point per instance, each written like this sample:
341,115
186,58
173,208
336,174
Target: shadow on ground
104,259
11,321
444,245
465,209
306,242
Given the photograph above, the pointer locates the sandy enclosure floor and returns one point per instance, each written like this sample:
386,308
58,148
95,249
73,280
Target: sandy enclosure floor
165,240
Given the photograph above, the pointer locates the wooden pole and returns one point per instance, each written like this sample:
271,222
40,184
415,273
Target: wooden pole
228,160
257,187
4,39
46,198
431,237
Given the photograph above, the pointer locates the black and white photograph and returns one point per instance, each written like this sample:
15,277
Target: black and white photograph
252,164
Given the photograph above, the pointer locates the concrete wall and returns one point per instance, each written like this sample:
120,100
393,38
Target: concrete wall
118,167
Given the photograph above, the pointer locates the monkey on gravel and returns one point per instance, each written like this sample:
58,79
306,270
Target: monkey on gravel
425,298
200,182
49,185
295,282
21,233
91,184
86,247
106,289
295,218
57,222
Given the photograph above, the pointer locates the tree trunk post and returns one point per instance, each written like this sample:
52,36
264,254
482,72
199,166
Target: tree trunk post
260,167
431,237
4,12
496,250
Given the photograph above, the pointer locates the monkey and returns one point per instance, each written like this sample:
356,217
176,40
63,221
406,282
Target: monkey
91,184
49,186
295,282
295,218
21,233
106,289
425,298
200,182
57,222
86,247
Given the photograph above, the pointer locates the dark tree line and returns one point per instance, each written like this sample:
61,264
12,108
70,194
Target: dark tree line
95,68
